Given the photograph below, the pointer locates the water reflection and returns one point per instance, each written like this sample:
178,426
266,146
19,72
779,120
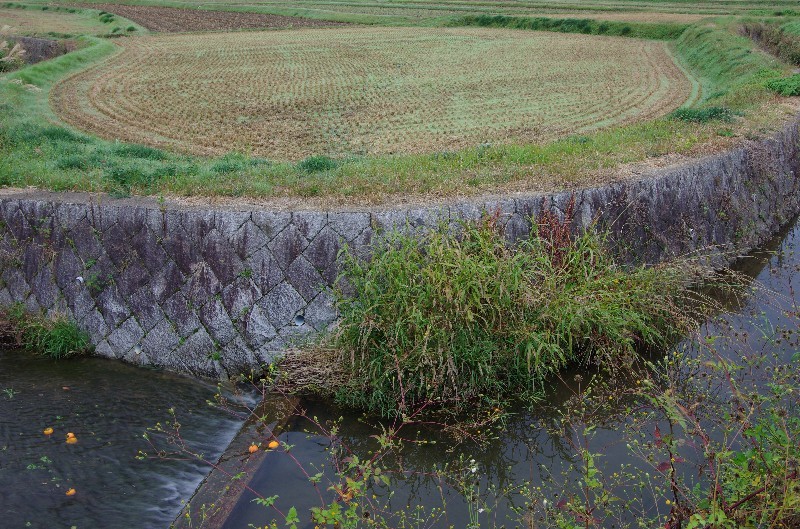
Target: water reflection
108,406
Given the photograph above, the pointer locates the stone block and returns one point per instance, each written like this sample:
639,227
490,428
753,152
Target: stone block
304,278
202,285
282,304
112,306
240,296
309,223
146,309
248,240
219,255
258,329
216,321
271,222
177,310
265,269
287,245
149,250
165,282
321,312
349,225
125,337
160,339
323,252
95,325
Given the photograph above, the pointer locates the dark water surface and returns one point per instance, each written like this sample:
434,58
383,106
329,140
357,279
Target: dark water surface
108,406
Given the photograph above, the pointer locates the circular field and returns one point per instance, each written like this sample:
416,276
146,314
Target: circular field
290,94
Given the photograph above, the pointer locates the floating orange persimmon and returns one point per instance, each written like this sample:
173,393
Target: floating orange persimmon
71,439
70,492
273,445
253,448
48,431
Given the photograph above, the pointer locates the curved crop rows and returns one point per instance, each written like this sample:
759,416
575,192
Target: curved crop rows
286,95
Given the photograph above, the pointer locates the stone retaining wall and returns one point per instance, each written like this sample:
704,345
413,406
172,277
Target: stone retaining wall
213,291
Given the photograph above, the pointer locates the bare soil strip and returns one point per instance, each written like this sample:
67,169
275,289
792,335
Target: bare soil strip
174,20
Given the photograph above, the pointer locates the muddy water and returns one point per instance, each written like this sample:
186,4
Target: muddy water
107,406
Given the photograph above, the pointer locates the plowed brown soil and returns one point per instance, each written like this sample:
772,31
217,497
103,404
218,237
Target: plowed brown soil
173,20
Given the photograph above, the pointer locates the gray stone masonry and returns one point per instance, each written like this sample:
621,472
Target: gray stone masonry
212,292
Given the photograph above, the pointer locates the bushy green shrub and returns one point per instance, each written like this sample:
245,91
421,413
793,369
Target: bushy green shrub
788,86
703,115
453,318
317,164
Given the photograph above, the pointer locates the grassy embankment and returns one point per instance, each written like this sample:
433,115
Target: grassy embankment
37,150
36,20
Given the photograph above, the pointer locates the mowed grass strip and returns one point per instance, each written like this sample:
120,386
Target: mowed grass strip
33,20
368,91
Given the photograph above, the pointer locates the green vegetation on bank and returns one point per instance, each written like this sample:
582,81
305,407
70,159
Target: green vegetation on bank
53,21
461,315
55,337
663,31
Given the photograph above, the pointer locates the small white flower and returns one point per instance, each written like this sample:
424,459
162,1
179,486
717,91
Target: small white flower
480,511
79,279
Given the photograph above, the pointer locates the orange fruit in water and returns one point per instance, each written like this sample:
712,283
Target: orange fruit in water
48,431
70,435
273,445
71,492
253,448
72,440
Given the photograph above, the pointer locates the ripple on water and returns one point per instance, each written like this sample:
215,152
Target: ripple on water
108,406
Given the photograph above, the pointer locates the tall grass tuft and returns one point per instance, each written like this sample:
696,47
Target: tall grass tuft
55,337
459,317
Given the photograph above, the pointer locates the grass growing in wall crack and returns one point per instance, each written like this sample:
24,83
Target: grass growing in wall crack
457,318
54,337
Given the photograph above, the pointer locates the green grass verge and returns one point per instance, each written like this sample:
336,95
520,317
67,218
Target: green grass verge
459,317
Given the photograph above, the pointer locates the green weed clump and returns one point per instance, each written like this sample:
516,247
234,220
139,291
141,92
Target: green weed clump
788,86
317,164
703,115
460,317
55,337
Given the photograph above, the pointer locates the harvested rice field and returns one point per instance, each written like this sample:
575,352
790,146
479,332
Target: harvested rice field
286,95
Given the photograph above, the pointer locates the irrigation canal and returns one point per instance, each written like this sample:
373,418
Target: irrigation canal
109,406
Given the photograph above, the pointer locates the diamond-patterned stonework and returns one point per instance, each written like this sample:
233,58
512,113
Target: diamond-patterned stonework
213,291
